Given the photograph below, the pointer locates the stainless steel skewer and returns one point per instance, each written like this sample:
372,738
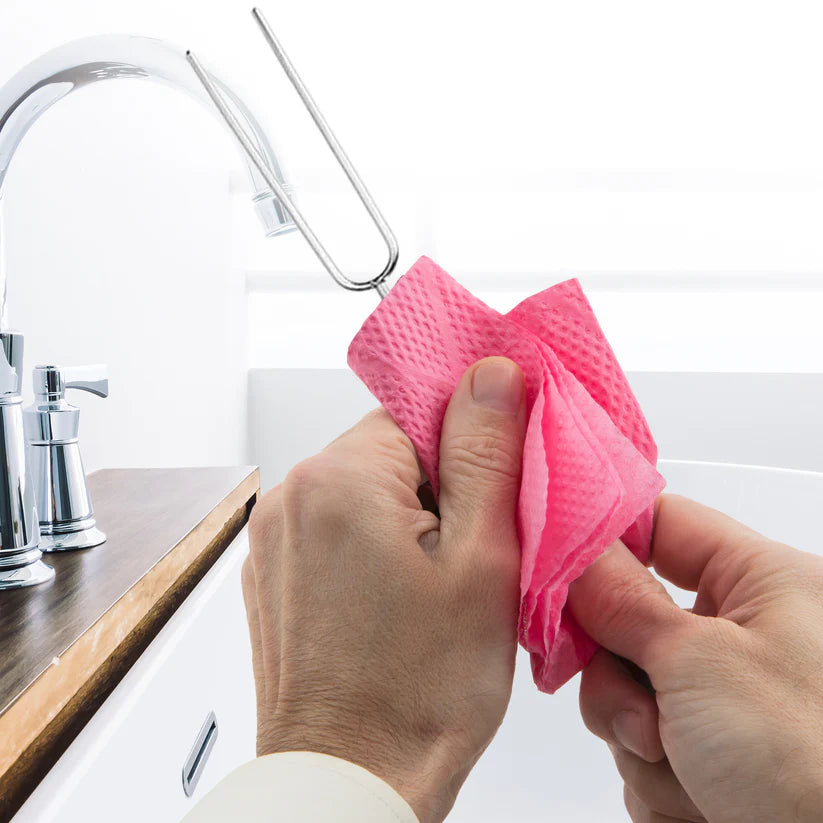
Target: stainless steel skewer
379,281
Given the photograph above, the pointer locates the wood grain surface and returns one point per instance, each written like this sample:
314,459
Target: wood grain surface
66,644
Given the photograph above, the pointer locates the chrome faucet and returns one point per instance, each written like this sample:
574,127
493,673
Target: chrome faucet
62,71
26,96
23,99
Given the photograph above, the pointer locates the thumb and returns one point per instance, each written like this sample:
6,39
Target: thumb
481,450
623,607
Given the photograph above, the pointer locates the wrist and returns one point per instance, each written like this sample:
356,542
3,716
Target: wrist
419,774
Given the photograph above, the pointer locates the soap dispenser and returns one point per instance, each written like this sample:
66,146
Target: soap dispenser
51,425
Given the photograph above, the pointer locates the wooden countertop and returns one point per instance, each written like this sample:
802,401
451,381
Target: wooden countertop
66,644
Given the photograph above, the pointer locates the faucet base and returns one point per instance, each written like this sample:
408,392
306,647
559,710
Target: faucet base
69,541
31,575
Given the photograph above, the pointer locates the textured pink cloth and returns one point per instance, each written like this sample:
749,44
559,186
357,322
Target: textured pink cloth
589,459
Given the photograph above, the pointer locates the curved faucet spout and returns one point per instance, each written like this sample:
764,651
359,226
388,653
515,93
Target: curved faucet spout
70,67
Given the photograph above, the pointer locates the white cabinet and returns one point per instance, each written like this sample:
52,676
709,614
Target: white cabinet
127,763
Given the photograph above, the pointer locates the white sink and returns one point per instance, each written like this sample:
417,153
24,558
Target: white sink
543,766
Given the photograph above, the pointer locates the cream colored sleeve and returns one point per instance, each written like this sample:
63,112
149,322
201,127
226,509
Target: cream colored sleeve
301,787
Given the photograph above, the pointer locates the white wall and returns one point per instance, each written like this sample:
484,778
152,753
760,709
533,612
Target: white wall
666,153
119,249
649,148
136,274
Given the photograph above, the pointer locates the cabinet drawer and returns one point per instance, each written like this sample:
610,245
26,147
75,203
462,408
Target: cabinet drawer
127,763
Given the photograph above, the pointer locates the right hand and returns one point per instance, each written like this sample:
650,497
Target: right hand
734,732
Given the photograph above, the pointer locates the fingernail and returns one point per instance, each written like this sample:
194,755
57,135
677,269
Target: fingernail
627,729
498,384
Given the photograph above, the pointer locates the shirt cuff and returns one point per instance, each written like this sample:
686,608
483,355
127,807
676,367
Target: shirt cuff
298,787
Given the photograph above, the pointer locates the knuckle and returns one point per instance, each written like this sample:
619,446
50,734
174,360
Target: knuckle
317,490
396,449
630,598
487,452
301,479
304,481
376,417
265,518
633,603
325,470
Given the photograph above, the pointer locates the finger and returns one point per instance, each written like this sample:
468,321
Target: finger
624,608
698,548
617,709
641,813
263,600
249,587
381,451
687,535
481,449
656,786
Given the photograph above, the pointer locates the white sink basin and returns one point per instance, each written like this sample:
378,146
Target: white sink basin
544,766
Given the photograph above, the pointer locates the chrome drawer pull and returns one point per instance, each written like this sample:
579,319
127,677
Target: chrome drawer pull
199,754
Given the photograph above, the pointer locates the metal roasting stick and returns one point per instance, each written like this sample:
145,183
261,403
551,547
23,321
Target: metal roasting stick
379,281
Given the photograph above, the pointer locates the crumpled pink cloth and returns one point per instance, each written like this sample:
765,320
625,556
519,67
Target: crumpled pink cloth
589,459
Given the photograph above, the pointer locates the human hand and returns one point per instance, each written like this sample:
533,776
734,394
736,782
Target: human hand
735,730
380,633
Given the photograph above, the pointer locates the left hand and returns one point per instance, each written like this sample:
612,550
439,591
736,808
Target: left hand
380,633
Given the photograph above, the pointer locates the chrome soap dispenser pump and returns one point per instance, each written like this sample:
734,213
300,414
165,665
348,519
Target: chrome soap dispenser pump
51,425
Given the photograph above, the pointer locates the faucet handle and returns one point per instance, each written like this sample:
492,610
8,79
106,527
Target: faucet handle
94,379
51,382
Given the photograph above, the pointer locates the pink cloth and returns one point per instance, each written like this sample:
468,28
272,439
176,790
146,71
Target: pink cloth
589,458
